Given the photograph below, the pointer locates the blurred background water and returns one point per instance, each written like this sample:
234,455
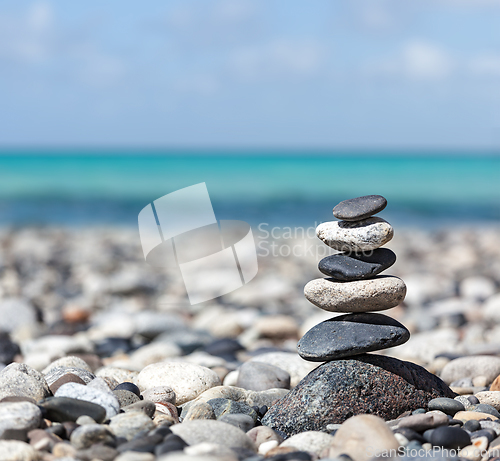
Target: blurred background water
280,188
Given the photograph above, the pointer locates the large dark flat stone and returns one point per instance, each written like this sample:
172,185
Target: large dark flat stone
63,409
349,266
351,334
337,390
359,208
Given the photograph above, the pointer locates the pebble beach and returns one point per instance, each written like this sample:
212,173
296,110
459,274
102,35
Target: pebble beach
104,358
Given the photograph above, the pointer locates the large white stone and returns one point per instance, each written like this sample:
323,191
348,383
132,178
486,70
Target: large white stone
186,379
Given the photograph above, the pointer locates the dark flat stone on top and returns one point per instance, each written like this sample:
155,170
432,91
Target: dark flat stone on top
349,266
356,209
351,334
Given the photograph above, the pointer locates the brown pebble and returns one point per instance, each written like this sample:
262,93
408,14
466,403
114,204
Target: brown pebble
67,378
70,426
75,314
495,385
168,409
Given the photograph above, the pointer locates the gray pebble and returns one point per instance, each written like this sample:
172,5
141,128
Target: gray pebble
19,416
125,398
129,424
18,379
259,376
56,373
359,208
85,436
446,405
243,422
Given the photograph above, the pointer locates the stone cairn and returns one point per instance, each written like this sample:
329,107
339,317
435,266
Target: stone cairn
354,285
352,381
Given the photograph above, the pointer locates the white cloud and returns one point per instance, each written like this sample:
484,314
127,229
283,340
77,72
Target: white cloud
417,60
426,61
27,38
486,65
278,58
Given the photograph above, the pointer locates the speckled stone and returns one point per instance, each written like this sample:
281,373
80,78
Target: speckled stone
56,373
358,208
351,334
228,407
367,384
346,267
377,294
358,236
125,397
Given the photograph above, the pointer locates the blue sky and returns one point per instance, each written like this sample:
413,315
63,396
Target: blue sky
250,73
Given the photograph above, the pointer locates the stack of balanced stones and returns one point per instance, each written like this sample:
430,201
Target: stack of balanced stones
354,286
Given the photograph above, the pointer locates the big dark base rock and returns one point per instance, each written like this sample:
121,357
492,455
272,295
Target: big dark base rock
367,384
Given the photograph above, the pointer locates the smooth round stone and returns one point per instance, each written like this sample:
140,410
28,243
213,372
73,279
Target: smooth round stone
125,398
89,434
485,408
351,334
63,409
358,236
258,376
450,437
228,407
126,386
425,421
199,410
19,416
377,294
346,267
310,441
160,394
472,425
358,208
78,391
448,406
15,450
243,422
186,379
129,424
490,434
18,379
199,431
471,366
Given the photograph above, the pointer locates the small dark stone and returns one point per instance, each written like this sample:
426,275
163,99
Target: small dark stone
171,443
473,399
67,378
263,410
164,431
131,387
484,408
227,407
61,409
57,429
351,334
448,406
356,209
450,437
14,434
70,426
366,384
8,348
110,346
225,348
410,434
141,444
472,425
345,267
427,435
490,434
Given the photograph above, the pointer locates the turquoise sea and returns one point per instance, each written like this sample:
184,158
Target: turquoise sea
282,188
